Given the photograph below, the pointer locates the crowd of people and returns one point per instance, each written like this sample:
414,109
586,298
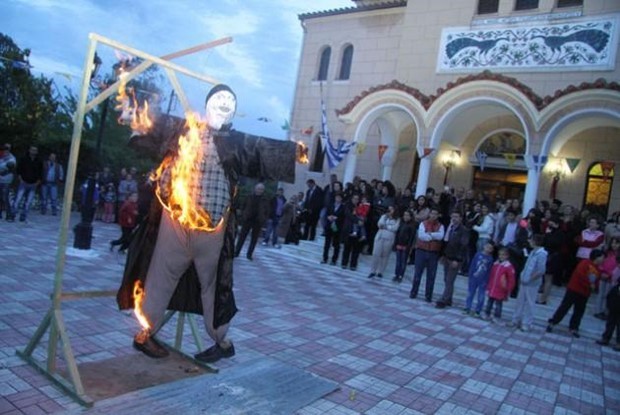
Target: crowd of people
503,252
28,177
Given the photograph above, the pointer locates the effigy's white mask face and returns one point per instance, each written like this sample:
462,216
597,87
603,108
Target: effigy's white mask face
220,109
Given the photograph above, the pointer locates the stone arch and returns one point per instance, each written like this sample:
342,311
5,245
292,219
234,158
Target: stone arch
575,113
491,98
391,112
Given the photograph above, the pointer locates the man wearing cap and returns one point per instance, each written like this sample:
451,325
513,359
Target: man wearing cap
190,270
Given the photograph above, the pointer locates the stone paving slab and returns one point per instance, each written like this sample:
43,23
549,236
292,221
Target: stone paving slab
387,353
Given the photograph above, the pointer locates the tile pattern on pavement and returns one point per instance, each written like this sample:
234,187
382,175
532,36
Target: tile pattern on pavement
389,354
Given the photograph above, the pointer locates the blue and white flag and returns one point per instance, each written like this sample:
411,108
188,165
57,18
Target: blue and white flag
334,154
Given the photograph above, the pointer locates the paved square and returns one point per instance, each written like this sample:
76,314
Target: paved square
389,354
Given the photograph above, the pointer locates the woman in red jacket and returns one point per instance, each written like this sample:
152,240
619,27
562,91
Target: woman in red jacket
127,219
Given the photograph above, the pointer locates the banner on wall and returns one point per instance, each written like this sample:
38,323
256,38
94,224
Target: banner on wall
539,162
427,151
381,150
510,159
361,147
481,156
572,164
607,167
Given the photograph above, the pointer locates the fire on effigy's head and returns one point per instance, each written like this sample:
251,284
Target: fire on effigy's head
302,153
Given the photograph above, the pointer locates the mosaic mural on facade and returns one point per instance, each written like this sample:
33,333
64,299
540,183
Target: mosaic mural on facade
578,45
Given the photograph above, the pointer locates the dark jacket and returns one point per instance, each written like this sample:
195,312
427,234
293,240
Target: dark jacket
29,170
256,209
455,248
314,203
240,154
339,213
289,213
405,235
273,206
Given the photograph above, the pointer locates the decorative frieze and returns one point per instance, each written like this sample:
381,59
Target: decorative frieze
575,46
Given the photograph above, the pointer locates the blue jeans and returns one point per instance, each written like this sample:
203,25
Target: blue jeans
401,262
498,307
5,203
271,232
27,191
49,192
479,285
425,260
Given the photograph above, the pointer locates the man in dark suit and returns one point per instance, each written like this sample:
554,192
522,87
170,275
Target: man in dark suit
313,203
255,214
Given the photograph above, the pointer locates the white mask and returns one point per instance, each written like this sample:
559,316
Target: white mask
220,109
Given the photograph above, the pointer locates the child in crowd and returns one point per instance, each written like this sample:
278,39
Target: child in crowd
501,283
478,277
533,270
582,282
363,208
613,309
607,268
127,219
109,203
358,229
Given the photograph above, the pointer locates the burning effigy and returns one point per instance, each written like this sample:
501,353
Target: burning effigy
181,256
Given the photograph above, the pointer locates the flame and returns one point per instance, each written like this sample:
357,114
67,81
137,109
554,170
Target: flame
138,298
180,199
131,113
302,153
140,122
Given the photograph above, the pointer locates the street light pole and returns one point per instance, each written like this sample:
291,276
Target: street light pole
84,230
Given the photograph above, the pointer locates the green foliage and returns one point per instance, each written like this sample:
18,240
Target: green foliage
27,104
33,111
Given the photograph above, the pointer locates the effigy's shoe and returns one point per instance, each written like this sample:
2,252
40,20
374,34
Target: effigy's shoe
215,353
150,347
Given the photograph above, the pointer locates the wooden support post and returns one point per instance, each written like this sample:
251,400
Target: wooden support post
179,337
197,339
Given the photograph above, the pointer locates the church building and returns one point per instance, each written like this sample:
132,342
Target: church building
516,98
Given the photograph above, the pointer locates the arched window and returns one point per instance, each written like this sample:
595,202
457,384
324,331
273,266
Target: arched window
598,187
345,64
324,64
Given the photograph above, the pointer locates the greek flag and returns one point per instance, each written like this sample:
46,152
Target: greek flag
334,154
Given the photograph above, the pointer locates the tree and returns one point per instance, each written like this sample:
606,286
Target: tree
27,103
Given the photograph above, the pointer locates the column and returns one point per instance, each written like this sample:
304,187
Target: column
387,163
349,168
423,175
531,189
